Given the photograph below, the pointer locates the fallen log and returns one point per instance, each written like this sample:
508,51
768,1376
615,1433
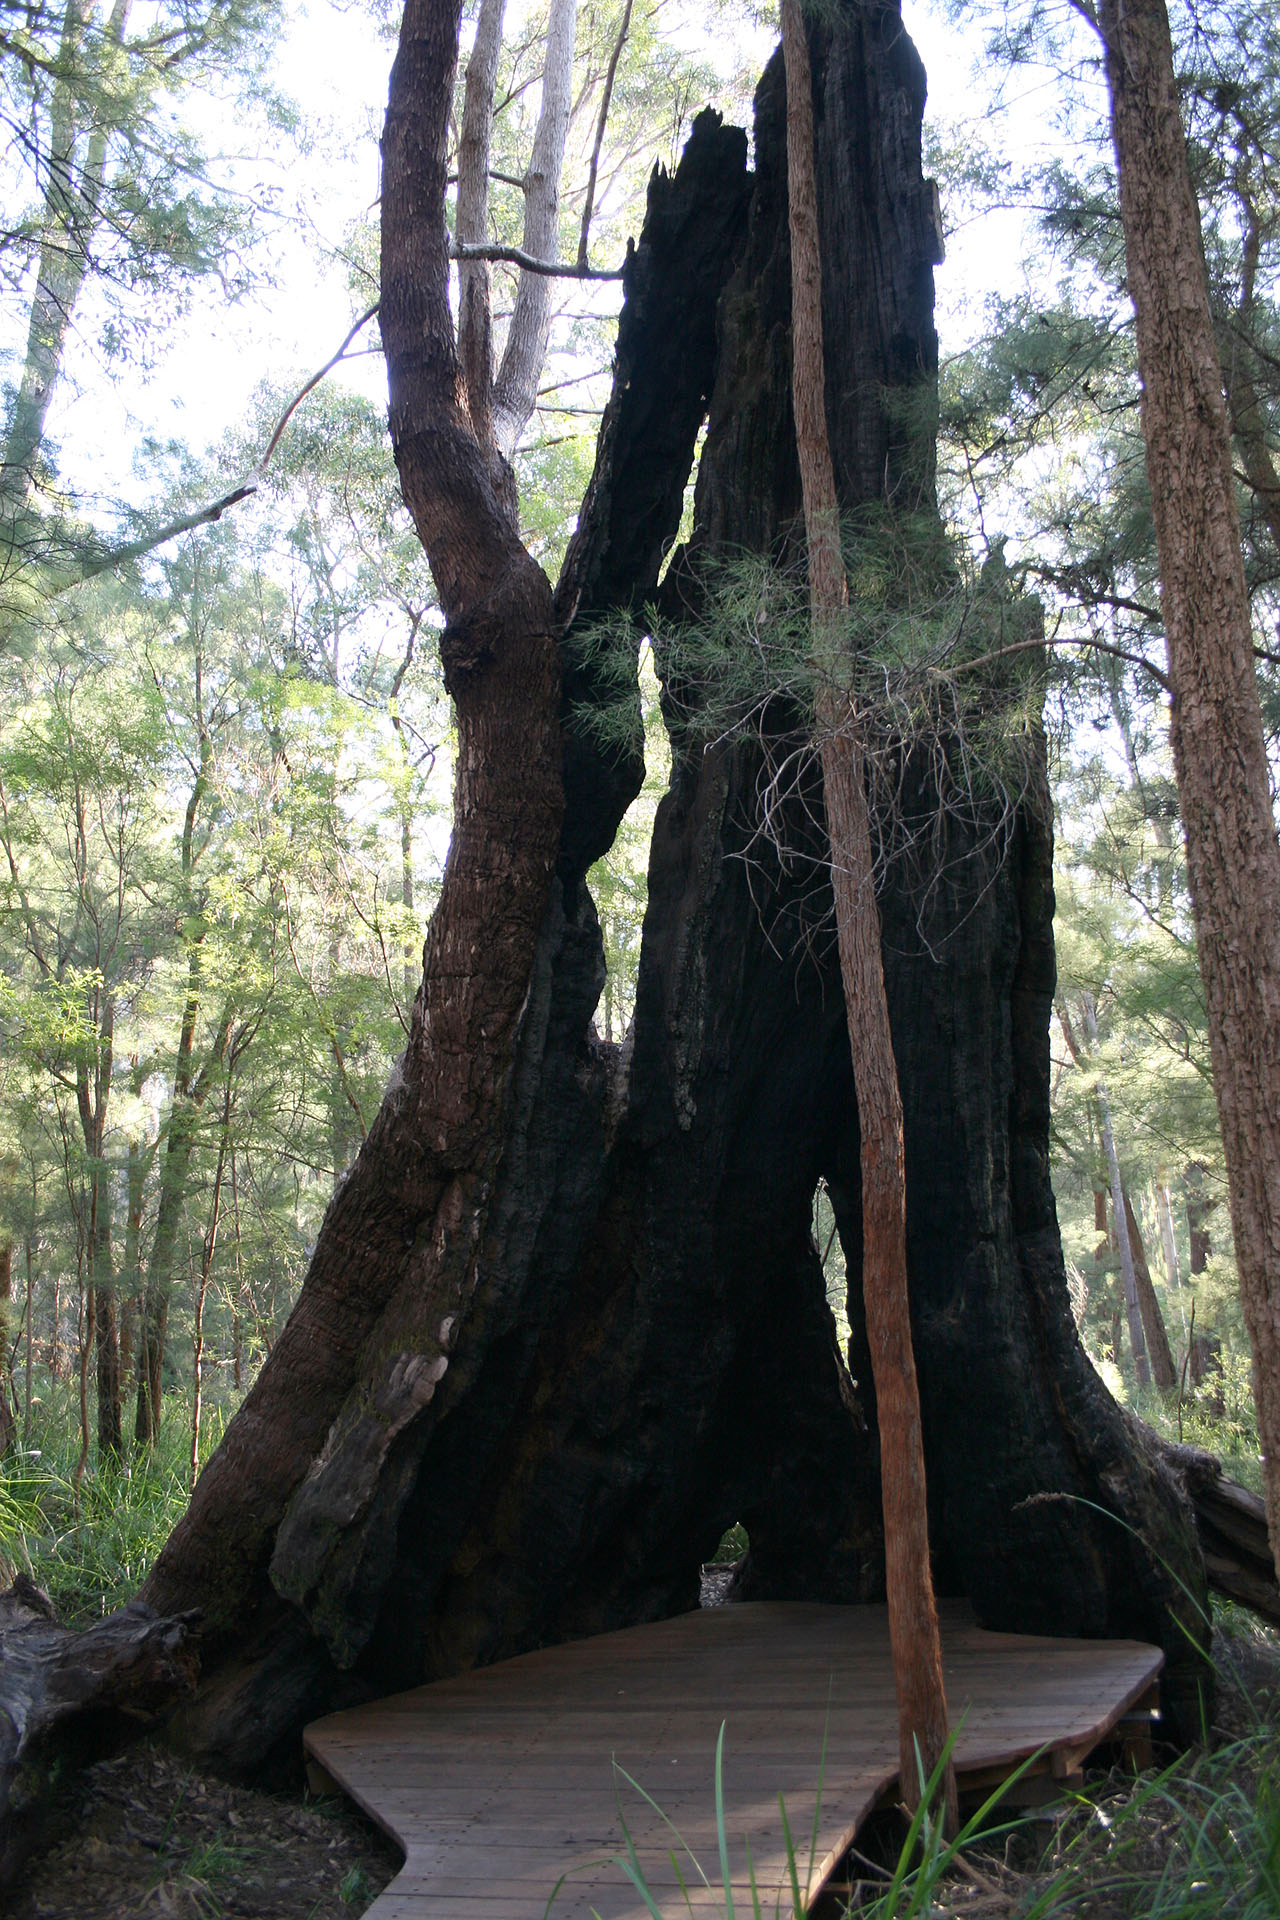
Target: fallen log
1232,1525
74,1695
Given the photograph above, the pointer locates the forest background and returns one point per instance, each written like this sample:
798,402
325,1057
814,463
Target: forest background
225,753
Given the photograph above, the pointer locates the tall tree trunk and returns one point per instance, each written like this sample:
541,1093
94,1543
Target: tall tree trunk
373,1332
606,100
139,1157
1121,1213
93,1093
1128,1275
202,1279
29,1321
913,1616
475,323
1169,1248
189,1091
1163,1371
1233,860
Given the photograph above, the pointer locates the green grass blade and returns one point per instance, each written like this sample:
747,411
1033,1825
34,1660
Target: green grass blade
722,1836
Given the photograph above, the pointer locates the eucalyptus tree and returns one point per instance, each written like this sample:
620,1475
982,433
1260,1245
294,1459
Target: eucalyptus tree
1216,723
1194,236
1041,428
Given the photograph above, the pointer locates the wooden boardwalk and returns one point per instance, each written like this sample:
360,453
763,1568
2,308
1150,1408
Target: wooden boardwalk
497,1783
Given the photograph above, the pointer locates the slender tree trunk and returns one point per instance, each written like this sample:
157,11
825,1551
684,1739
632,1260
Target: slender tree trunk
1199,1206
29,1313
85,1330
93,1094
913,1617
70,218
55,1350
1220,759
131,1272
202,1283
241,1294
1129,1279
1169,1248
1163,1371
475,321
7,1424
191,1090
516,387
107,1343
606,100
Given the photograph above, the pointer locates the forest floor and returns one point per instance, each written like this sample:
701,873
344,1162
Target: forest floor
149,1838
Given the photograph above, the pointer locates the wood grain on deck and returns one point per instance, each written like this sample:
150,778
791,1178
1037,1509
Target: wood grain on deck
500,1781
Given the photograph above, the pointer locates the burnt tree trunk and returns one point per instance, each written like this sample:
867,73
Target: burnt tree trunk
524,1392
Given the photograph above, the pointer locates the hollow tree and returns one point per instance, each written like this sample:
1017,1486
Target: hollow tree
565,1320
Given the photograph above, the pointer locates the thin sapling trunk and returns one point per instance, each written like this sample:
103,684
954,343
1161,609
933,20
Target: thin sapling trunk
913,1619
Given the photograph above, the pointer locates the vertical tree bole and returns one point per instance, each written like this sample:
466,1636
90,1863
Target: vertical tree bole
1233,859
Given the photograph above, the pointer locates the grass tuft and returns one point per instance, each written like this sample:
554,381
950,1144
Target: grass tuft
91,1551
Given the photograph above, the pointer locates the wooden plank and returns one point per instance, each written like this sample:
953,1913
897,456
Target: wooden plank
498,1782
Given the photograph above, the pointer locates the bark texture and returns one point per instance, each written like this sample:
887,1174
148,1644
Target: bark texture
1233,860
565,1321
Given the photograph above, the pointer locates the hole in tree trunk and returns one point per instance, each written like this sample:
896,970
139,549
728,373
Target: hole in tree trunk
826,1239
619,883
721,1571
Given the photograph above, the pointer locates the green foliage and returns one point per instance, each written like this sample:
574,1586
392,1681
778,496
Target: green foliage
733,1545
91,1544
1199,1839
1125,942
218,790
117,209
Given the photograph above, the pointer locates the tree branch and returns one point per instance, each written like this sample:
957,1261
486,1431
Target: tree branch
1029,646
310,386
